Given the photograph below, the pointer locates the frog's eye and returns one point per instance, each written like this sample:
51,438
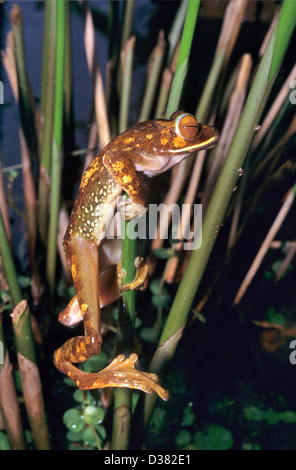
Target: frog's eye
186,126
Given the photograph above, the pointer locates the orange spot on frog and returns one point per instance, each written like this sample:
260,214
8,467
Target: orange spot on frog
130,139
117,166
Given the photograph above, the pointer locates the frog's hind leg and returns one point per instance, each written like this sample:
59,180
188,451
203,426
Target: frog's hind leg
84,266
121,372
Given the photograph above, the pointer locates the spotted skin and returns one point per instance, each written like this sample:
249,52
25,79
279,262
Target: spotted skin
145,149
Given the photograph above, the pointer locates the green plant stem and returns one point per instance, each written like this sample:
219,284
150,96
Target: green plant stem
26,101
176,29
127,22
30,378
125,343
223,192
47,100
205,101
183,57
126,84
153,78
8,265
56,145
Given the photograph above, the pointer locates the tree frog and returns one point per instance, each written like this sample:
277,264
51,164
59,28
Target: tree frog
144,150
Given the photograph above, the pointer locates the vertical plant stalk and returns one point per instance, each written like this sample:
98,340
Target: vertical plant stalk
8,265
127,22
156,61
3,204
236,103
9,406
47,108
183,57
68,124
30,378
127,66
56,145
229,175
125,343
123,397
231,25
96,75
28,141
176,30
179,173
26,100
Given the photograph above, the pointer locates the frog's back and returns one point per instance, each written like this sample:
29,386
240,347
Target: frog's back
95,200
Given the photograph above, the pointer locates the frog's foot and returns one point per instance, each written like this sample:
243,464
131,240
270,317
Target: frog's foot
140,277
129,210
120,373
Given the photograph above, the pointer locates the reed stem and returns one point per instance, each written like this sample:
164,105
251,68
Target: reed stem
56,145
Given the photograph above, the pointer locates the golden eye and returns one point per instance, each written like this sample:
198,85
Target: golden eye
186,126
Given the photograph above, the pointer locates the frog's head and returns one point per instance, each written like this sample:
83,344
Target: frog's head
174,139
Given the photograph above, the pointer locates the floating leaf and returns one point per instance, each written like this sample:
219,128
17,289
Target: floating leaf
188,416
73,420
95,363
149,334
75,436
221,438
183,438
161,300
94,414
201,441
288,416
78,395
253,413
89,437
271,416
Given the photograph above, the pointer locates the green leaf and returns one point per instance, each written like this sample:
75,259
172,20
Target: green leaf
75,436
188,416
201,441
221,438
93,414
95,363
78,395
161,300
155,286
89,437
159,418
101,432
73,420
288,416
149,334
4,443
183,438
253,413
271,416
250,446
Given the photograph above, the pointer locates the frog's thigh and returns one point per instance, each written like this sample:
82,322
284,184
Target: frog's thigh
85,273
